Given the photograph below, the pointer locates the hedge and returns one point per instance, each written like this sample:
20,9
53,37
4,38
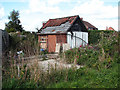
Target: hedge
94,35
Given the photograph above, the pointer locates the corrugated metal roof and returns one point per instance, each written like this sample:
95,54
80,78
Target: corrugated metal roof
59,21
58,25
57,29
88,25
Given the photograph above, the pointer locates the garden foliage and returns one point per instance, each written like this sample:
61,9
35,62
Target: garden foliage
100,60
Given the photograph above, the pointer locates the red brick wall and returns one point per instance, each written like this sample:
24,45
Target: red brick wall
61,39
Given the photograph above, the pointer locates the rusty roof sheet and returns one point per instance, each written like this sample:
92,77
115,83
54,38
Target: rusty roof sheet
88,25
59,21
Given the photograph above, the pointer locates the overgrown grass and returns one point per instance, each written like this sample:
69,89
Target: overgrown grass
90,78
100,69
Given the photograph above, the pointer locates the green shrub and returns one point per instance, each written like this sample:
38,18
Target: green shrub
84,56
69,55
10,30
94,36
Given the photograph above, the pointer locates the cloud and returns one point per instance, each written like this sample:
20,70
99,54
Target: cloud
96,8
2,23
93,11
2,20
39,11
30,21
55,2
97,13
1,12
43,6
110,0
13,0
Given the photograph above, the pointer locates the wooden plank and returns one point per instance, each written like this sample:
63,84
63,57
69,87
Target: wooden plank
51,43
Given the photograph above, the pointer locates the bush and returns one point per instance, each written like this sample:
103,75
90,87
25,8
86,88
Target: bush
10,30
94,36
70,55
28,44
84,56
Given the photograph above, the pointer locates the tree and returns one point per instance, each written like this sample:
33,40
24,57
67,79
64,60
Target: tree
14,24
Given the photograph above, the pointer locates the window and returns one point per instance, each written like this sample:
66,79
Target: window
43,39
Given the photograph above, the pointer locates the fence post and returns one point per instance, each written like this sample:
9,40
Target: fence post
75,40
82,38
0,59
18,70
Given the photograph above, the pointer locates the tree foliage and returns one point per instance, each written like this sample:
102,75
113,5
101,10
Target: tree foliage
14,24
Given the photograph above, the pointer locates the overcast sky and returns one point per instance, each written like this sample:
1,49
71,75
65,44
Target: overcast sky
100,13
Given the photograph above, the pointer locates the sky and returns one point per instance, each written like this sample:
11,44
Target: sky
100,13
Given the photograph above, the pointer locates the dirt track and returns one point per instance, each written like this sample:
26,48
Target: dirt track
55,64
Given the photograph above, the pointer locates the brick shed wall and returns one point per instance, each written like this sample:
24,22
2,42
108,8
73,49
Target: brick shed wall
61,39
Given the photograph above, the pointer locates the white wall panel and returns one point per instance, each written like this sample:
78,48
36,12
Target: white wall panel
77,39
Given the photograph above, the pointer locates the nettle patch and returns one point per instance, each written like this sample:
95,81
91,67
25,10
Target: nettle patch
83,55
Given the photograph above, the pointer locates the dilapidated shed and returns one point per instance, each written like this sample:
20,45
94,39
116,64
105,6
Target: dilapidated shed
68,32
